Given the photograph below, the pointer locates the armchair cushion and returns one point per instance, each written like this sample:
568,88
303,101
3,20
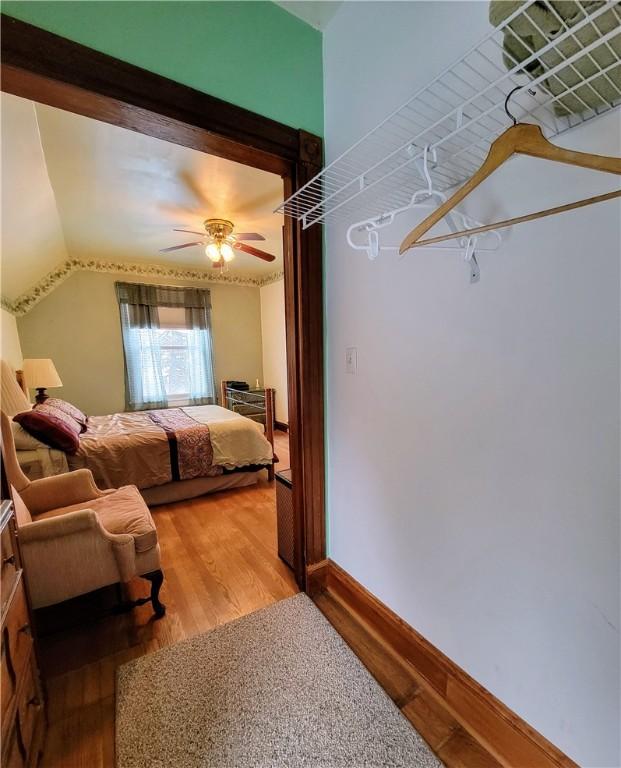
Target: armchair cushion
70,488
122,511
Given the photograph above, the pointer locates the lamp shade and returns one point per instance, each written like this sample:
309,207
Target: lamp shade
40,373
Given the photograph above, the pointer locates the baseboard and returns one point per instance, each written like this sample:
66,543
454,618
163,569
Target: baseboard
506,736
316,577
281,425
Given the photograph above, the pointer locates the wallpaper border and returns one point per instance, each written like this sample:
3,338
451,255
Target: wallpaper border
24,303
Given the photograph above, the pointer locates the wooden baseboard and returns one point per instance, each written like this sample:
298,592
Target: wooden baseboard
316,577
503,733
281,425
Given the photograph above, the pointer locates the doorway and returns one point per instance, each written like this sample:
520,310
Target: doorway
51,70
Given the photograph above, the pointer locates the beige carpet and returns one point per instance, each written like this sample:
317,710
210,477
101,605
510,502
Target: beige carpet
276,688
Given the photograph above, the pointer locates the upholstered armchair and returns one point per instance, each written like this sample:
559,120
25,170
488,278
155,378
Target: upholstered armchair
75,538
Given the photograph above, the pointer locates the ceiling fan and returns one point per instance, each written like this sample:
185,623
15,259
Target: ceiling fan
220,241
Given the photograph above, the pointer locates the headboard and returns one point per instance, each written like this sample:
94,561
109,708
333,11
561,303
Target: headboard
21,380
13,395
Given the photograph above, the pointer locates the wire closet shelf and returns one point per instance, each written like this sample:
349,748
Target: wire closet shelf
564,82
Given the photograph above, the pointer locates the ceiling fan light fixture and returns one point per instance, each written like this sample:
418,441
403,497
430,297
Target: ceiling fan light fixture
219,242
212,251
226,252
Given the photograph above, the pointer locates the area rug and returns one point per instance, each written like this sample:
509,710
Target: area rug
278,687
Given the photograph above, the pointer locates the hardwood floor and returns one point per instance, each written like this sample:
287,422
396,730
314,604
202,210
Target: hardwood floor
220,562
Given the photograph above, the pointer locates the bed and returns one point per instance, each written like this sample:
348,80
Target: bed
169,454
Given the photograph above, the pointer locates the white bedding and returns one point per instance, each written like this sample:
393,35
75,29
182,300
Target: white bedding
234,444
42,462
36,458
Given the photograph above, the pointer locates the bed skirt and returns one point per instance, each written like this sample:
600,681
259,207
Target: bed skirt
189,489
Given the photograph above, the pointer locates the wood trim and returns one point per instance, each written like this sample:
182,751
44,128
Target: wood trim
269,427
317,577
44,67
503,733
306,418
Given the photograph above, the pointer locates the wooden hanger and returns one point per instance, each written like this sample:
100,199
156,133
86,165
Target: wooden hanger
520,139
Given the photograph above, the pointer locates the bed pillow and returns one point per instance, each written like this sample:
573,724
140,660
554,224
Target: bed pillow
23,440
65,407
52,427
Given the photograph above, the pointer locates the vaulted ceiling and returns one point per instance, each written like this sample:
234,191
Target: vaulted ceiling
32,236
75,188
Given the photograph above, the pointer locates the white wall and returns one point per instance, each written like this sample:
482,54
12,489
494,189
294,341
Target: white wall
474,458
10,349
274,343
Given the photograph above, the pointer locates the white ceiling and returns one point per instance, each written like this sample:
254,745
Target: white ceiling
317,13
73,187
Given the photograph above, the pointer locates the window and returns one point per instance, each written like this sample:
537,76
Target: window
167,346
178,348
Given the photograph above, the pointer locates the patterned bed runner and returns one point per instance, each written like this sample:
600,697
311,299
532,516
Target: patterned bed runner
191,452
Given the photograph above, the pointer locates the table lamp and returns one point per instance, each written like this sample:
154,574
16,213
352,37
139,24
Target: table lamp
39,374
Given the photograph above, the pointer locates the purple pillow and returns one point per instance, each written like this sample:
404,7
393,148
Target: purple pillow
51,427
65,407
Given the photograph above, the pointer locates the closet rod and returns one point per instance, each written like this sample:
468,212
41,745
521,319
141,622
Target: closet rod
518,219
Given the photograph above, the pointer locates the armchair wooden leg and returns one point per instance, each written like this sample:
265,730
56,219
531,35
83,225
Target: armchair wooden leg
156,578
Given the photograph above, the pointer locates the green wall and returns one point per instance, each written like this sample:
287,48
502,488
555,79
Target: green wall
253,54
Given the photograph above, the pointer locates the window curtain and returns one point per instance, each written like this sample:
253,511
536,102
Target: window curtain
139,306
202,384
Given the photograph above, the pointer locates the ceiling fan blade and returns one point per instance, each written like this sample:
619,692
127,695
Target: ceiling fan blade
254,251
248,236
262,201
177,247
181,212
190,232
193,186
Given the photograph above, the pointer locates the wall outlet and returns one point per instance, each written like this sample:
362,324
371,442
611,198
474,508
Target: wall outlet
351,360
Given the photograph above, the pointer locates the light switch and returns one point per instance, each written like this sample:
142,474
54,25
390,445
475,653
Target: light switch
351,359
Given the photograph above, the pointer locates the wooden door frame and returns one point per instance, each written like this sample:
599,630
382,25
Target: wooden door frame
52,70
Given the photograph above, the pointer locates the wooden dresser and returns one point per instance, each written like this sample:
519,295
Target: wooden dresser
23,713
